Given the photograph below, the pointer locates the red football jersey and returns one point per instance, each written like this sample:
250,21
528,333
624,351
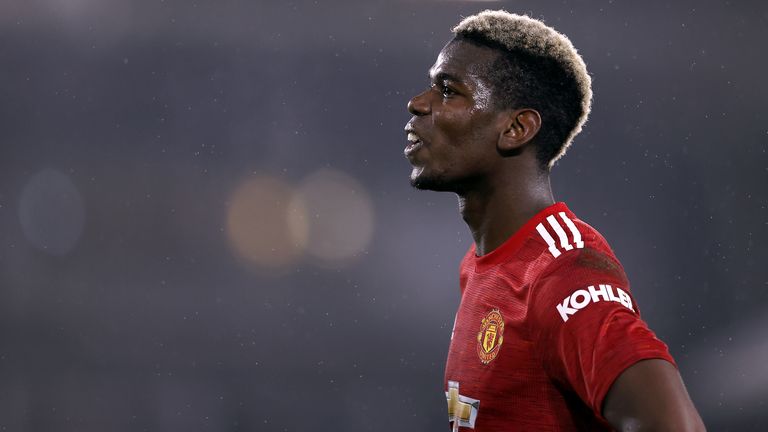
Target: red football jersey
545,325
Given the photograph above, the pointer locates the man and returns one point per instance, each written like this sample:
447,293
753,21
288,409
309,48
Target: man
547,336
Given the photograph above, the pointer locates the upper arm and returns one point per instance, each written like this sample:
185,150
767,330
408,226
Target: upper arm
650,396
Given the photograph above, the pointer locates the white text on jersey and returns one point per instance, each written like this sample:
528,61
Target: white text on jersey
583,297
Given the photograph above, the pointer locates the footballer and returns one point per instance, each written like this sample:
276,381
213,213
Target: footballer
548,336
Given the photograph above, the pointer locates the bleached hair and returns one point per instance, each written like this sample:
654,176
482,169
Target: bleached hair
531,38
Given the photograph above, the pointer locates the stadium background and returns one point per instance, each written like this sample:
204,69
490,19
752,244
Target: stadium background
206,223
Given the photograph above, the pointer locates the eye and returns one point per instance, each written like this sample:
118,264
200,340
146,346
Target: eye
445,90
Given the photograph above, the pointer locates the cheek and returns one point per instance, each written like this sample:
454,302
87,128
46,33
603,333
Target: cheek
454,128
472,130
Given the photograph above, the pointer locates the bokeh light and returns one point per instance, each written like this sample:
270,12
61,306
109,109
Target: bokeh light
51,212
266,224
340,216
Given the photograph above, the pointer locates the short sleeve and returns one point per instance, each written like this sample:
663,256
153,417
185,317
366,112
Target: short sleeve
588,326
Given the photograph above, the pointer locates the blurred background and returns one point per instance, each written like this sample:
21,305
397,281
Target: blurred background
206,222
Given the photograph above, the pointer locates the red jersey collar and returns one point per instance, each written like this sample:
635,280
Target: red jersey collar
512,244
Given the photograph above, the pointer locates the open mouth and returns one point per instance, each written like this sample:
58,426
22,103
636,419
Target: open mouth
414,143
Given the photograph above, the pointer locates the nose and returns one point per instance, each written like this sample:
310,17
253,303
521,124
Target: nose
419,105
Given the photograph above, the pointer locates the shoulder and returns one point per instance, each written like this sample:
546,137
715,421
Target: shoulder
577,270
585,280
561,232
554,243
569,249
582,266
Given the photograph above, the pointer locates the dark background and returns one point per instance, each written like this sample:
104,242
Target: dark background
175,177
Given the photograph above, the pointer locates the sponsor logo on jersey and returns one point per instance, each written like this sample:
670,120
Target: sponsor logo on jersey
583,297
491,336
566,241
461,409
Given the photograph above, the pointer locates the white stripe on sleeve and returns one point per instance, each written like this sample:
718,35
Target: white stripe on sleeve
574,230
548,238
564,243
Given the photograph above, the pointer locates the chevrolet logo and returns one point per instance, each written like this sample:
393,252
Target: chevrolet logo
461,409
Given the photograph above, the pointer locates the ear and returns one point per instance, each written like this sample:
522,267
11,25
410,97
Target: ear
521,126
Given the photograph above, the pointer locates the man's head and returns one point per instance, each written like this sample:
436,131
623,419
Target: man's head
503,86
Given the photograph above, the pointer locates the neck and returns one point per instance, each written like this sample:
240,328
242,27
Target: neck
495,212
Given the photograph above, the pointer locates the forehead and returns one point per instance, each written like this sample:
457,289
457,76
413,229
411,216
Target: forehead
463,59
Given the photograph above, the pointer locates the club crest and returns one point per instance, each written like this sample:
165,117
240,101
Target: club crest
490,337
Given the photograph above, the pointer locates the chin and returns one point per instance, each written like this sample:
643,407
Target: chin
437,184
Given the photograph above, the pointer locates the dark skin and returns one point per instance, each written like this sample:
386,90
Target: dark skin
487,157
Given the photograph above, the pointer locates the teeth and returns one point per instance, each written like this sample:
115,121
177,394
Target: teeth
412,137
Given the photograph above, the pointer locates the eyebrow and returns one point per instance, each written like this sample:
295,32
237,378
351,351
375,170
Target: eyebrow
445,76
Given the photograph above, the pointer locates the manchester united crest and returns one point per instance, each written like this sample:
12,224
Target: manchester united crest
490,337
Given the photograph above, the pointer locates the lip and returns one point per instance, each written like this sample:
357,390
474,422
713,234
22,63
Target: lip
413,146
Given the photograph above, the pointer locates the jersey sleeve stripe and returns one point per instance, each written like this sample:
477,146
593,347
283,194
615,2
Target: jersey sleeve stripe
560,233
548,238
574,230
565,243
